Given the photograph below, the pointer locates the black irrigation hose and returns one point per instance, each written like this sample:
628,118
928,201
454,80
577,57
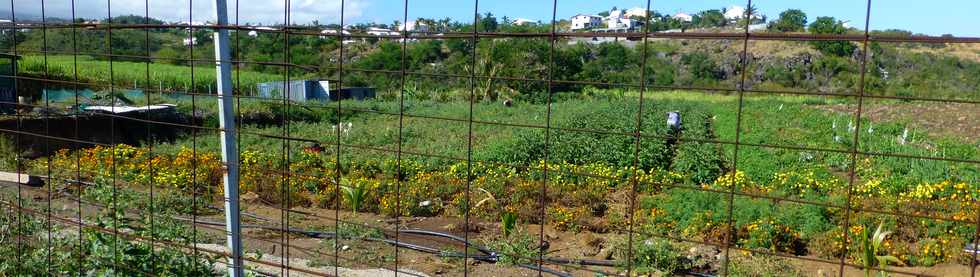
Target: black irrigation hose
452,237
491,256
699,274
255,216
545,269
607,263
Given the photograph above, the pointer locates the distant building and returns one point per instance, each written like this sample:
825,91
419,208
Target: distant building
186,23
585,21
311,90
641,12
255,32
523,21
190,41
192,23
5,22
683,17
623,23
620,20
414,26
734,12
758,27
616,14
330,32
298,90
737,12
374,31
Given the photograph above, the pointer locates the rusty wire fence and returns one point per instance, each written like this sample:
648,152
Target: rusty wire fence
293,234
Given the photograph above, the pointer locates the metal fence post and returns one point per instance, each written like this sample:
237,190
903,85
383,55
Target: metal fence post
229,148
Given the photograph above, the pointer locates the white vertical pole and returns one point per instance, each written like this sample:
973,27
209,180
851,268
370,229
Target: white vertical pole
229,148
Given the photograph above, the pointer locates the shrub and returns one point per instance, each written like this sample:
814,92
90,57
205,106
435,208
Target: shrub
518,248
751,265
689,213
700,162
8,154
565,218
652,255
702,67
100,253
772,236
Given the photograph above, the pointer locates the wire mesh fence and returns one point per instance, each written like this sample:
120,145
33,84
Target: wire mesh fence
466,148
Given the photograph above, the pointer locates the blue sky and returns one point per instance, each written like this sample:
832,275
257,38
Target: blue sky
933,17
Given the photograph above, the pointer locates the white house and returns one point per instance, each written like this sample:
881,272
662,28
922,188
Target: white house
736,12
192,23
333,32
585,21
683,17
255,33
616,13
329,32
190,41
523,21
622,23
374,31
641,12
414,26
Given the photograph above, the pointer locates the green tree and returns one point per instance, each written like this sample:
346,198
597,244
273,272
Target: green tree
612,63
424,52
791,20
825,25
488,23
710,18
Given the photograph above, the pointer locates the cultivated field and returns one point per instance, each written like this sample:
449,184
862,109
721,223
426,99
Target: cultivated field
682,193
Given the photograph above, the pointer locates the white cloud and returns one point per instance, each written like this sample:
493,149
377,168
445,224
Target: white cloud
249,11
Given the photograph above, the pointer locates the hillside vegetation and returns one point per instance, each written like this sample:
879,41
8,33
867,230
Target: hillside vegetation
932,70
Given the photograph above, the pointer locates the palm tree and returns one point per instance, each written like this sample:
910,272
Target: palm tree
750,11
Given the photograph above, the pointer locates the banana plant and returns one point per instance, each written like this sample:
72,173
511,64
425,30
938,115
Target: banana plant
871,245
508,221
354,194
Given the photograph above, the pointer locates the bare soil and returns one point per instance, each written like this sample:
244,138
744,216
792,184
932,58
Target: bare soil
958,120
